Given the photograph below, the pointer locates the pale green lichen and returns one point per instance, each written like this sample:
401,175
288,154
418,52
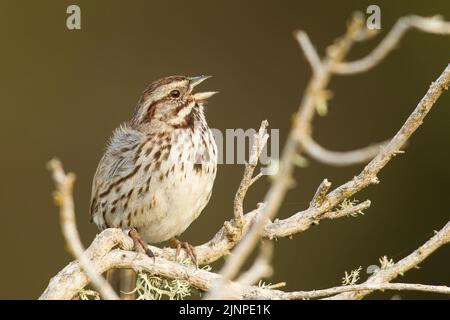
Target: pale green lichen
85,294
385,262
152,287
352,277
263,285
348,204
300,161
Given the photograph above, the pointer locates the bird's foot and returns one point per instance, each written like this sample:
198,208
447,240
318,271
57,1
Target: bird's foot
190,250
139,243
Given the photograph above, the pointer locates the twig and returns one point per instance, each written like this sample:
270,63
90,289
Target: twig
347,211
358,287
260,140
310,53
338,158
383,276
261,268
321,193
368,175
63,197
333,64
433,25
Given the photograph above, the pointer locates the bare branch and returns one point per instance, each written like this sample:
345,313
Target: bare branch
433,25
69,281
256,178
337,158
383,276
260,140
310,53
368,175
333,64
321,193
261,268
63,197
358,287
348,211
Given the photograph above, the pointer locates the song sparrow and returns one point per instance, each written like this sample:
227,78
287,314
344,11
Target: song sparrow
158,170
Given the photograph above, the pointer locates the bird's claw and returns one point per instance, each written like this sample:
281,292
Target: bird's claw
140,244
190,250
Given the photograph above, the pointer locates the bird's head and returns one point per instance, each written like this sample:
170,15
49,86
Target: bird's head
171,100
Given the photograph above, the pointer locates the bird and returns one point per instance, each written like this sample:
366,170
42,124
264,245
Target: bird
158,169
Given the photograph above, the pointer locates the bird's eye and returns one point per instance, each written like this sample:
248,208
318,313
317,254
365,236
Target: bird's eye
175,94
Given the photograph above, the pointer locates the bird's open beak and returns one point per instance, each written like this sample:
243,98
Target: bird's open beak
195,81
201,96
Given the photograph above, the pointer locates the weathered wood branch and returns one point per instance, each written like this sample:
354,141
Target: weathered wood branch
106,253
63,197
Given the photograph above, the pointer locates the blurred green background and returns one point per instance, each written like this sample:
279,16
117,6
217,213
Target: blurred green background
63,92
